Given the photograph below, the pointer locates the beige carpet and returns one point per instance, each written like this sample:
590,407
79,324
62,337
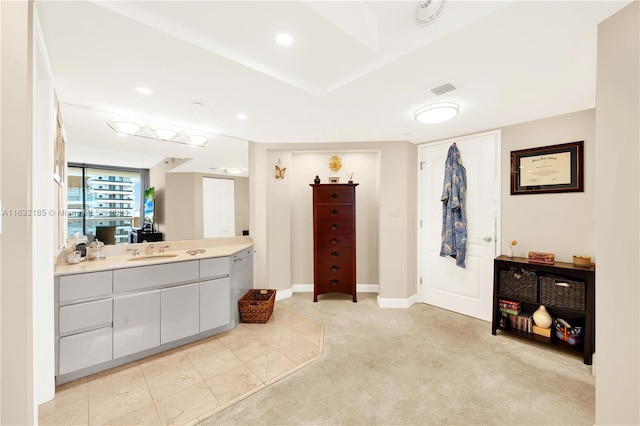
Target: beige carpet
418,366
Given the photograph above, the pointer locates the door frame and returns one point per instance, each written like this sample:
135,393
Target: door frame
498,197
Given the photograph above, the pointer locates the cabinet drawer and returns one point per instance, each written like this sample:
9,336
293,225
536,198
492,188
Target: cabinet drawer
85,316
155,275
83,286
334,240
214,268
85,350
333,195
334,268
335,226
335,254
328,211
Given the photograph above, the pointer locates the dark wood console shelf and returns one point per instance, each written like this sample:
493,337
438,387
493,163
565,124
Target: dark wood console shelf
530,303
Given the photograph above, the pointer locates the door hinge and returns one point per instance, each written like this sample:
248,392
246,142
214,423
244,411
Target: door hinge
420,223
421,164
420,280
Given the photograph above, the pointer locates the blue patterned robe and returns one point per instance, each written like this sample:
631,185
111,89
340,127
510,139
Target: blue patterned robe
454,217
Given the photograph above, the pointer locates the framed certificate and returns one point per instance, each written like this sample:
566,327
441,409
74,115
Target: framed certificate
553,168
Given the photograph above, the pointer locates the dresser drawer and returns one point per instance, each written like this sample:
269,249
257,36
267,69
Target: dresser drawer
334,240
85,316
336,212
330,268
335,254
334,195
343,284
335,226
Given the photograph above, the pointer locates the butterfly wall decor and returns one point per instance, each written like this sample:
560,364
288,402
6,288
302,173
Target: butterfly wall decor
280,172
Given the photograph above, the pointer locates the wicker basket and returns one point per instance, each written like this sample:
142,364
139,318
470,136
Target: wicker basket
256,306
519,284
561,292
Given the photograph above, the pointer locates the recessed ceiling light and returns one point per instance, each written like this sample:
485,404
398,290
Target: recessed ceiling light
197,104
284,39
143,90
241,116
436,113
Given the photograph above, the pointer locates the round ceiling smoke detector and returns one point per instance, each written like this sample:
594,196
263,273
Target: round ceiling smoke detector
428,11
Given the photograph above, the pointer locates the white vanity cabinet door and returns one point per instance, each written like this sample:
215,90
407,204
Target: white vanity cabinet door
136,323
179,312
214,304
84,350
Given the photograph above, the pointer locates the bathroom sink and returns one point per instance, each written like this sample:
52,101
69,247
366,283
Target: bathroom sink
153,256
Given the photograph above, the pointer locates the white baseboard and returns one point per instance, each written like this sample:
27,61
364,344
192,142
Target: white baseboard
283,294
397,303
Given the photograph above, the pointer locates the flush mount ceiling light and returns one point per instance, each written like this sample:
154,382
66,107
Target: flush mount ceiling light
436,113
143,90
233,170
284,39
241,116
165,134
198,140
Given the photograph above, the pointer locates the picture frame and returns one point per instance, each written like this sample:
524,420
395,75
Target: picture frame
334,179
59,142
548,169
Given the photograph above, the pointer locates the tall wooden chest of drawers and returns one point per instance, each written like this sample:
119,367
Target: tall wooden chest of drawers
334,239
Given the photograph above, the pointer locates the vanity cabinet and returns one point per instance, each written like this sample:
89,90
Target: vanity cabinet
108,318
179,312
136,323
334,239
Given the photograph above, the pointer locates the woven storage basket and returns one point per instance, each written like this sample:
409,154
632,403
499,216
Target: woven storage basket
519,284
256,306
562,292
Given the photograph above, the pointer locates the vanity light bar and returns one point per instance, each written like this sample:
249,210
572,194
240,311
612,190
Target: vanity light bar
185,137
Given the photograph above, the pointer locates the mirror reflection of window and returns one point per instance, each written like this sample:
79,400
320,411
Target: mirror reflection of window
100,197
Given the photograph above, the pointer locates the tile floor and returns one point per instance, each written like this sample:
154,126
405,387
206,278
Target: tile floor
187,384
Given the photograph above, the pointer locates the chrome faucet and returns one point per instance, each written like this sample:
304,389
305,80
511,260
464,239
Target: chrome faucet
150,248
162,248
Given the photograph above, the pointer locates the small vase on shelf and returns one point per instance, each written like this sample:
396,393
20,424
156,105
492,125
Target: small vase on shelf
542,318
316,180
510,251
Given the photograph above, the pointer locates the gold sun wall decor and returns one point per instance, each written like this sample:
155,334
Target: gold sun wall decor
335,163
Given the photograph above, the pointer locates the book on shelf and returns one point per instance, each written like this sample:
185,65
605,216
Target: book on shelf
509,306
546,332
522,321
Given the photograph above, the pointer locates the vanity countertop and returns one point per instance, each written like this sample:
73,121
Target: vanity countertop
128,260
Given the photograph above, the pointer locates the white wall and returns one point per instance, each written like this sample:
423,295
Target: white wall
618,212
17,405
562,224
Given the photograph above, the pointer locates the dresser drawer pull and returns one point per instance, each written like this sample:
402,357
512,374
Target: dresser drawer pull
334,227
334,212
335,254
334,241
335,268
334,282
333,196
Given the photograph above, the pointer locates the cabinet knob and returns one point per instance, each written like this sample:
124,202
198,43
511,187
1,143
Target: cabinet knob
335,268
334,241
334,282
335,254
333,196
334,212
334,226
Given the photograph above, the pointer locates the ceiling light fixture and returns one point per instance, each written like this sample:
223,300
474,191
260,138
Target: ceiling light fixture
241,116
126,127
436,113
160,132
284,39
143,90
233,170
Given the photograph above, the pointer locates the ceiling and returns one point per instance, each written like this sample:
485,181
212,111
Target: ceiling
355,72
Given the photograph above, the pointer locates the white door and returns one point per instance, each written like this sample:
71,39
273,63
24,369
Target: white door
218,205
443,284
